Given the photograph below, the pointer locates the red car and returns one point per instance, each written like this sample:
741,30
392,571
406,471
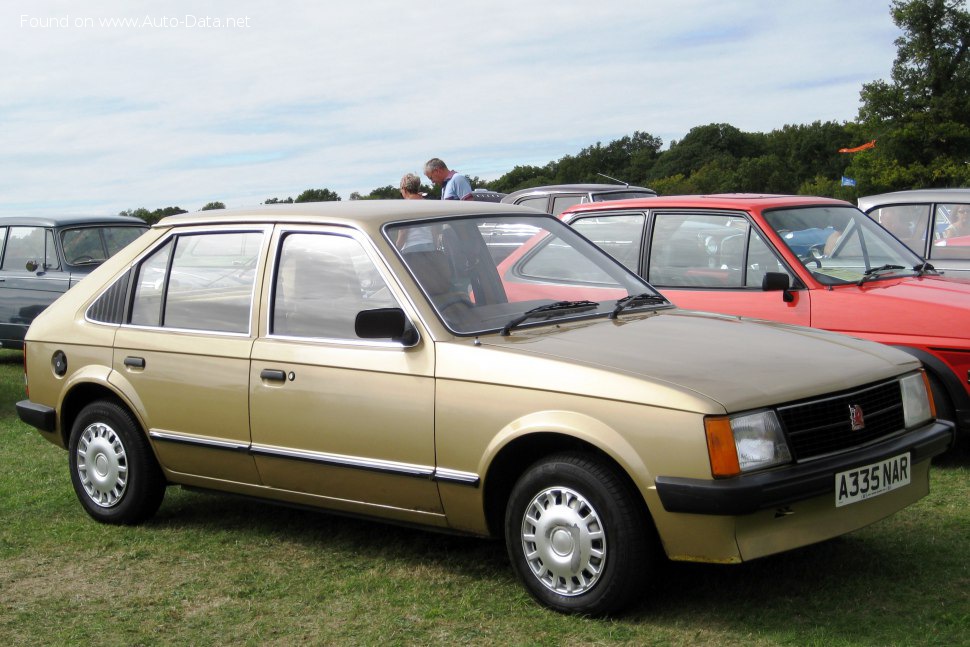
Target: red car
803,260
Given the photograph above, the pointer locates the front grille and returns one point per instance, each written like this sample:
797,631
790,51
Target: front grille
819,427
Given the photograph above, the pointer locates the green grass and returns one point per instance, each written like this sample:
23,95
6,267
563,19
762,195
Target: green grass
213,570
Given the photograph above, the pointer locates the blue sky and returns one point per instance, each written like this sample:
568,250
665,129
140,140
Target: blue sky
116,105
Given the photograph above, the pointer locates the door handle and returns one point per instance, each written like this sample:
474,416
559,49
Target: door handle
272,375
135,362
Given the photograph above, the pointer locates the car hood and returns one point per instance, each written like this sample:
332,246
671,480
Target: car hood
911,307
677,359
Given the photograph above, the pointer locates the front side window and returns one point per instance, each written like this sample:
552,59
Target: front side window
323,281
952,227
198,282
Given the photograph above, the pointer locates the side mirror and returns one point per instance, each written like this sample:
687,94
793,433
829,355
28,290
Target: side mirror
385,323
775,281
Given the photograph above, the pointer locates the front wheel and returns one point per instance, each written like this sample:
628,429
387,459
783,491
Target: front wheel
578,537
113,470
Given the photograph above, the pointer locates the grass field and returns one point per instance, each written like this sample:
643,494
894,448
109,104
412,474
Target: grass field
213,570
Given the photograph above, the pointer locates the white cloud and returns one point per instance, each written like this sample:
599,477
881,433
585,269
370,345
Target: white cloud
113,105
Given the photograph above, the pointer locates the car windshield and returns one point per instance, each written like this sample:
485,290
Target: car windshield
622,195
93,245
842,245
485,274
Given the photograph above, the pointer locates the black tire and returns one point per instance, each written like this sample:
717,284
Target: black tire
590,549
113,470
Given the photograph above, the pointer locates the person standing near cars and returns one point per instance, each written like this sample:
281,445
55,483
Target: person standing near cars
454,186
411,187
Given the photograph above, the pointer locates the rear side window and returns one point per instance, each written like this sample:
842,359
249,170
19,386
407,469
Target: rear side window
198,282
26,244
620,236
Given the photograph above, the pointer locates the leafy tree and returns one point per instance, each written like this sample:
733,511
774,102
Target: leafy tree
278,201
702,145
213,205
921,119
318,195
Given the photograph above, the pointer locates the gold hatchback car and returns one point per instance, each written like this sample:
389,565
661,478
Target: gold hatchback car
397,360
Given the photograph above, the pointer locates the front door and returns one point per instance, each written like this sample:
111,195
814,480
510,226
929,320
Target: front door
345,421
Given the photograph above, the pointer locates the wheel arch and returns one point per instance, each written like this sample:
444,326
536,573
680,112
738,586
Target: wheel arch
937,368
513,459
79,396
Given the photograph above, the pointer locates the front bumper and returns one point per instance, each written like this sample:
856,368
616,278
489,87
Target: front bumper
784,486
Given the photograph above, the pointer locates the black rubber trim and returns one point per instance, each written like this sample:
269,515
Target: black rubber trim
752,492
37,415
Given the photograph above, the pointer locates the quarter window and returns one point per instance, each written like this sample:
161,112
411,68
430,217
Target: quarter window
199,282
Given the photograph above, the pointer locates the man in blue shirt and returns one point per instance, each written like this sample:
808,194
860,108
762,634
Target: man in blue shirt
454,186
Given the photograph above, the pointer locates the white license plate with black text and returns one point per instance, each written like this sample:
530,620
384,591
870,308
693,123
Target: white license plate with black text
872,480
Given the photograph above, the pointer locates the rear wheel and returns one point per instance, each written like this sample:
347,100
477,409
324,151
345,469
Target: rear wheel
113,471
578,537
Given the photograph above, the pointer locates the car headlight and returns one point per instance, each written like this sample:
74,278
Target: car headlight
745,443
917,399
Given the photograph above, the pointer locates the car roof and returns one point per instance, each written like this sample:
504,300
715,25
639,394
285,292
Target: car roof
573,188
68,221
915,195
744,201
362,213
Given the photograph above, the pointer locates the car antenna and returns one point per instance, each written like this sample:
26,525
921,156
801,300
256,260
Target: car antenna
614,179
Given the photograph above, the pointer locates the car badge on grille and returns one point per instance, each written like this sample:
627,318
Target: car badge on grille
855,417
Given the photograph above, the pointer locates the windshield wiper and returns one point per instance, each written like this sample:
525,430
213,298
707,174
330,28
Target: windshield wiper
550,310
871,273
635,300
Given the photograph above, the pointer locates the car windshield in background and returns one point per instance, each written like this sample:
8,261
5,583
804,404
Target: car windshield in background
486,274
93,245
621,195
841,245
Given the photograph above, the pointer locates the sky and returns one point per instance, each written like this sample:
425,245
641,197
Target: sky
107,105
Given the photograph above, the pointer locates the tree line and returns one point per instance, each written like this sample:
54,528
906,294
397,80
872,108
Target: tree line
911,132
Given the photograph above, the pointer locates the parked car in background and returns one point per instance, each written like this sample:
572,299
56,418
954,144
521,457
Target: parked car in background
373,358
934,223
44,256
801,260
485,195
555,198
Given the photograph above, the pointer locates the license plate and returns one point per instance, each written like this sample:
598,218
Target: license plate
872,480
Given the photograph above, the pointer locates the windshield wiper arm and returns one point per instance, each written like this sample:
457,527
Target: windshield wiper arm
924,267
870,273
634,300
550,310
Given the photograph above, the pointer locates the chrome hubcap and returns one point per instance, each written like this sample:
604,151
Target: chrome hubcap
102,464
563,541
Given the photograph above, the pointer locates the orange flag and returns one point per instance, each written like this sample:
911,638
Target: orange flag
864,147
